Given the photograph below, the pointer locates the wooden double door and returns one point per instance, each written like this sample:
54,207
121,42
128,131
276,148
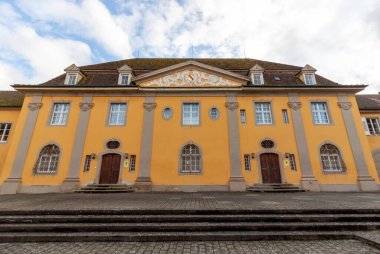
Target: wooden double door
110,170
270,168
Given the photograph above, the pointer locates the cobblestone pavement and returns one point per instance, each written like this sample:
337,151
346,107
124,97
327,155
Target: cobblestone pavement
198,200
267,247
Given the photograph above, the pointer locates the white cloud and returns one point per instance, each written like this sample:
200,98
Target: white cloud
339,38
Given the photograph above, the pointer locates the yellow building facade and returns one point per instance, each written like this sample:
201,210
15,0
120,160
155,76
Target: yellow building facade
186,125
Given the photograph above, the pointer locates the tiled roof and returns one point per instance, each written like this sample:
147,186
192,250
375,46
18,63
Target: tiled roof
368,101
106,74
11,99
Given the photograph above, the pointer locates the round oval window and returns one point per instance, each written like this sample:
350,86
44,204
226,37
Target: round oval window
214,113
168,113
113,144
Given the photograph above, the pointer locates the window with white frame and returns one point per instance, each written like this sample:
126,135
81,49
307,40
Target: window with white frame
60,114
132,163
190,160
190,113
309,79
285,118
47,162
71,79
331,159
87,163
5,128
257,79
124,79
373,126
214,113
243,116
263,113
117,114
247,162
320,113
292,162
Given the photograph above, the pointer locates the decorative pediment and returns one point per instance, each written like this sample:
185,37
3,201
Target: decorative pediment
191,74
125,68
256,68
72,68
308,68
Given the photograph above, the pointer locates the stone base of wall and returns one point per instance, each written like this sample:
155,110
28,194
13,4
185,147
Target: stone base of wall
35,189
339,187
190,188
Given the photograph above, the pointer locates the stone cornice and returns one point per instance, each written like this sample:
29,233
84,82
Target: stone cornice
295,105
149,106
84,106
34,106
232,105
345,105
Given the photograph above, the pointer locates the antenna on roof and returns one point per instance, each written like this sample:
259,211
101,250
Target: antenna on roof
138,50
192,50
244,52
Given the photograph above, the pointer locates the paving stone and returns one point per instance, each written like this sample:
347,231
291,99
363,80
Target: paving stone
278,247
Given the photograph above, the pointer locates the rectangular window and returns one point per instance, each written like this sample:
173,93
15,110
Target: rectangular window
190,114
5,128
71,79
263,113
257,79
247,162
117,114
320,114
309,79
132,163
285,118
60,114
292,162
124,79
243,117
373,126
87,163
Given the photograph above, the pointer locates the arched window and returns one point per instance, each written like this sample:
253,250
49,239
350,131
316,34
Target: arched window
47,161
332,161
190,160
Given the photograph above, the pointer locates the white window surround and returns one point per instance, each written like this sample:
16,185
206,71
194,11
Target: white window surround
263,113
309,79
60,114
372,125
117,114
285,118
320,113
124,79
257,78
71,78
243,117
190,113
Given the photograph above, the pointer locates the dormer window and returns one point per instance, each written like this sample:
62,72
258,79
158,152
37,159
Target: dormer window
123,79
257,79
309,79
71,79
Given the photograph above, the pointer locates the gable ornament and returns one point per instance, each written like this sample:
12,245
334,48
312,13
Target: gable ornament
232,105
84,106
33,106
149,106
345,105
295,105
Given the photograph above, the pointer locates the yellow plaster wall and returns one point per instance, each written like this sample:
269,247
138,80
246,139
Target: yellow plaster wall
169,136
282,134
99,133
8,115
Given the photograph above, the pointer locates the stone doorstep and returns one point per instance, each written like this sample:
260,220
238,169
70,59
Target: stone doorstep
178,236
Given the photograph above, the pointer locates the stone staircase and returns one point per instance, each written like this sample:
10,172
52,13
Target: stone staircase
105,188
184,225
275,187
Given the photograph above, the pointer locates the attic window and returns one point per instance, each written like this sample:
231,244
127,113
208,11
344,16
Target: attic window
257,79
309,79
71,79
123,79
277,78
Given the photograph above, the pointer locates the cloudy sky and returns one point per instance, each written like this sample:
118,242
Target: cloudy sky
340,38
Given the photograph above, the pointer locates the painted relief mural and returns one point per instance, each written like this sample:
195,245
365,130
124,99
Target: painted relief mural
190,78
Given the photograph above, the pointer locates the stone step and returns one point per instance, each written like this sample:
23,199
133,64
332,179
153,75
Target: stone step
190,218
104,188
172,236
278,212
189,227
274,190
103,191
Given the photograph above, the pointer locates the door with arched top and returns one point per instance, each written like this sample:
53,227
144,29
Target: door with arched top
109,173
270,168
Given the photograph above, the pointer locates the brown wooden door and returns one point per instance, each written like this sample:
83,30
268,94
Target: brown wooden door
270,168
109,173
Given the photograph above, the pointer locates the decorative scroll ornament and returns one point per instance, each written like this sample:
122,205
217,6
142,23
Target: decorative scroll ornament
191,78
149,106
345,105
86,106
232,105
295,105
34,105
